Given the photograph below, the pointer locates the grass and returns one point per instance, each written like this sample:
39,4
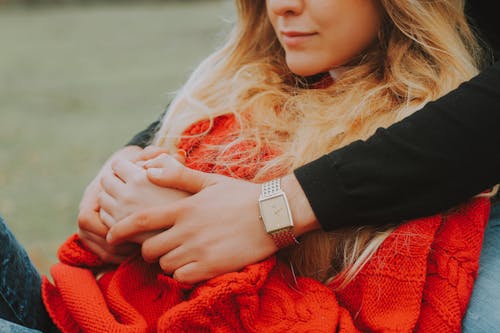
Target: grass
76,82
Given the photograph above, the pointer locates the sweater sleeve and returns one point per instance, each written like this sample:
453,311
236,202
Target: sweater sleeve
426,163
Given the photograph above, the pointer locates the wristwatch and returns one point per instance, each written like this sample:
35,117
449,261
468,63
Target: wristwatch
275,214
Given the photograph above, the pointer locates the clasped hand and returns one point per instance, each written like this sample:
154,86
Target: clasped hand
196,225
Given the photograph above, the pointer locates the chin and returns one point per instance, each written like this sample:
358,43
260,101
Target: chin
306,68
305,71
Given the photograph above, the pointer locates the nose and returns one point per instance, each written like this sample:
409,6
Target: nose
286,7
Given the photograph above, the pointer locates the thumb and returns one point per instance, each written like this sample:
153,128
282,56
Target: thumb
173,174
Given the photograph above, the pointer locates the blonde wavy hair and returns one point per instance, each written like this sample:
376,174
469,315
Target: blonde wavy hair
424,50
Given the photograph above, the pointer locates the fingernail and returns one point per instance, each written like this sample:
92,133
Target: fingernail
155,172
109,237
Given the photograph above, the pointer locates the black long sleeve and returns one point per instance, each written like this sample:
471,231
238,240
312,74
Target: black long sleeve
426,163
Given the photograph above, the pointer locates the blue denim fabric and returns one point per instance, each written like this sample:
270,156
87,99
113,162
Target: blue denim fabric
10,327
483,314
20,294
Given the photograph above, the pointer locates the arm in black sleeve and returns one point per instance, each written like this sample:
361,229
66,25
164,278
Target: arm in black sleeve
432,160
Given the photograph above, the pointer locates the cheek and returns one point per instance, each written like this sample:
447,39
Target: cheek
351,35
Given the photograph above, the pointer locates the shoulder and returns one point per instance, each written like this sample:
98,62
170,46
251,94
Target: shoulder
483,18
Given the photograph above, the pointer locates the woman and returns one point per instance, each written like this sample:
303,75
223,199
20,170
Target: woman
340,126
257,141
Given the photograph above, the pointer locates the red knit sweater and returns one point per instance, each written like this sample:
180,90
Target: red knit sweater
420,279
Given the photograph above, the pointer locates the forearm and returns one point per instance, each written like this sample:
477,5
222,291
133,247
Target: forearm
430,161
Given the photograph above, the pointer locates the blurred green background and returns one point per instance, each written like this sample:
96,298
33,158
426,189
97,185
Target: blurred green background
76,82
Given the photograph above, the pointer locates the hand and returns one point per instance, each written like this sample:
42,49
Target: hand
126,190
91,229
214,231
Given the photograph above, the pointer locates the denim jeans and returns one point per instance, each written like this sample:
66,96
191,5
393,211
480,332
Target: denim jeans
21,306
483,314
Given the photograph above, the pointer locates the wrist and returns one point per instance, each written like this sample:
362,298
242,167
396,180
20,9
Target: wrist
303,216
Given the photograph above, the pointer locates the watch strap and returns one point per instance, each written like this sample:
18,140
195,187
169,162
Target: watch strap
270,188
282,237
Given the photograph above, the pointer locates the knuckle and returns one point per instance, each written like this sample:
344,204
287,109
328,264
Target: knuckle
196,247
137,178
127,198
106,256
163,157
147,253
169,170
181,277
208,258
82,234
165,266
100,199
141,221
193,276
102,182
115,163
179,170
83,220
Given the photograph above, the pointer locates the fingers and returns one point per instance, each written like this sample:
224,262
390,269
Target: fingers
151,219
157,246
191,273
91,218
141,238
185,268
107,202
166,171
107,219
88,214
173,259
92,232
90,221
151,152
160,161
112,184
109,254
126,170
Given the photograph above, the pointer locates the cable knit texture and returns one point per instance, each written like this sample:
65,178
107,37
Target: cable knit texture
419,280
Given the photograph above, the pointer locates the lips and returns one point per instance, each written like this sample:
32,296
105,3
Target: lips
295,38
291,33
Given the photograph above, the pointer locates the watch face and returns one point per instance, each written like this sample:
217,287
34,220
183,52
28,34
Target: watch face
275,213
